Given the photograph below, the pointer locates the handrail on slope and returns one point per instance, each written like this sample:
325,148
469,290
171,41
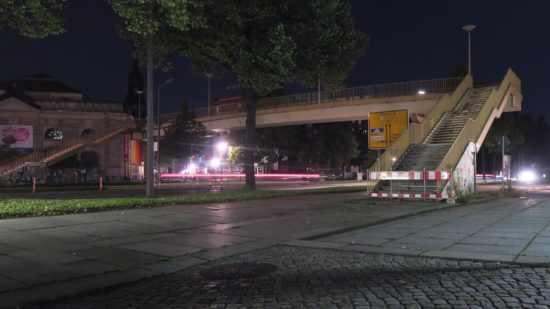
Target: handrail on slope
55,153
417,133
475,129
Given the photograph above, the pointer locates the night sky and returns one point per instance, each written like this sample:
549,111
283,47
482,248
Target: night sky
409,40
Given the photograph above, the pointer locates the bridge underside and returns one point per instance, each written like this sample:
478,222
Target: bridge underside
345,110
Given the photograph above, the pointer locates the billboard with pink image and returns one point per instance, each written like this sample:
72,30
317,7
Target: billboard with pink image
16,138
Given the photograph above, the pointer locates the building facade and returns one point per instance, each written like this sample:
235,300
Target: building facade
66,136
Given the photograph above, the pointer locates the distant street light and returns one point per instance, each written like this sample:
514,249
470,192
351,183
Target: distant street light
168,81
222,146
469,29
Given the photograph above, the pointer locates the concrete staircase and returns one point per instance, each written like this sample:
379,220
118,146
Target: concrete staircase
51,156
450,125
428,155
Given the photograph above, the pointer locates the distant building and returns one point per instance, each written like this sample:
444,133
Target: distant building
65,136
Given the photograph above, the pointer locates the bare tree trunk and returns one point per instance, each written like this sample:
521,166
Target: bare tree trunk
250,139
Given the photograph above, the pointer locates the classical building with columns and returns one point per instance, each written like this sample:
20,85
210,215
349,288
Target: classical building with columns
52,132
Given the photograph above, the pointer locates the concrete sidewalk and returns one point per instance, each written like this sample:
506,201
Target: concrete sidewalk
50,257
505,230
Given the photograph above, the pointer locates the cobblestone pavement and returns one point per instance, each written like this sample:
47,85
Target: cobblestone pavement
325,278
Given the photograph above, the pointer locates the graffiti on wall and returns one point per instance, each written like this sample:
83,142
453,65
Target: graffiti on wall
27,173
464,174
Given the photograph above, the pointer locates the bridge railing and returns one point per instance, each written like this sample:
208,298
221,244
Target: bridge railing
442,85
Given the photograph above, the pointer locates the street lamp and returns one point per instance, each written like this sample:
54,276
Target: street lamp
168,81
469,29
139,92
209,76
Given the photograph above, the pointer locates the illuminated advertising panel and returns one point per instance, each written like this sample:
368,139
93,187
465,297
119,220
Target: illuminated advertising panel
16,138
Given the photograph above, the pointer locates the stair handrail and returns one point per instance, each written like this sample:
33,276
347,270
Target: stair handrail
31,157
474,128
416,133
45,156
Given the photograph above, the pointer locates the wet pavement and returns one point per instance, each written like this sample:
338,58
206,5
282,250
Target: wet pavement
325,253
324,278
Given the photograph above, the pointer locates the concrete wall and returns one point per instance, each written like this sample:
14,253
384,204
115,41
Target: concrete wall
464,174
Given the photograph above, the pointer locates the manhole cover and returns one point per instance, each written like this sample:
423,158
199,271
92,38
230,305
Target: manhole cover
238,270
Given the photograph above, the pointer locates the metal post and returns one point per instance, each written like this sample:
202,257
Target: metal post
158,135
502,141
158,122
209,76
469,29
319,91
149,189
424,177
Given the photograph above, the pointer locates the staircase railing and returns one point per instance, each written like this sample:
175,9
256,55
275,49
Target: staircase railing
54,154
473,129
417,133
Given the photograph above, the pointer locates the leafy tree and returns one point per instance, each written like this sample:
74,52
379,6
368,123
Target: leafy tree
267,44
140,19
184,137
339,145
235,156
33,18
509,125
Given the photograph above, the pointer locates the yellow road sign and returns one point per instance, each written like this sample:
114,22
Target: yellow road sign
385,127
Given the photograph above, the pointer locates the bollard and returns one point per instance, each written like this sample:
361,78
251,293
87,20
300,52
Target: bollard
101,183
34,185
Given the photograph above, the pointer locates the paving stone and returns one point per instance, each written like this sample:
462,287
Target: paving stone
161,249
327,278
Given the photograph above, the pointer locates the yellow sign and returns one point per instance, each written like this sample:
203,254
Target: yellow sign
385,127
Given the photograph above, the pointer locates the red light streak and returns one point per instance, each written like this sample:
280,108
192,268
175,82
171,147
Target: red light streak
271,176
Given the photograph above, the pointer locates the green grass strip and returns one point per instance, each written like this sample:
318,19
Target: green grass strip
12,208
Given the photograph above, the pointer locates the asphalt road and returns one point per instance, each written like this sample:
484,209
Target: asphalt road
174,188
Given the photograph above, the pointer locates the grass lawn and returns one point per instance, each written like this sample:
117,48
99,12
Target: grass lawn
15,207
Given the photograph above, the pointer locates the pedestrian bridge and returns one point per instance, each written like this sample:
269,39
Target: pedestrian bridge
347,104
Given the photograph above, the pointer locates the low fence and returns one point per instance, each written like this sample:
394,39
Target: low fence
411,184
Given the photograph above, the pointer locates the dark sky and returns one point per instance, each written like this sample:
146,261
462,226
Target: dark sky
409,40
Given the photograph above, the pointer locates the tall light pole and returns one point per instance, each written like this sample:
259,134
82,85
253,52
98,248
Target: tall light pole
166,82
469,29
149,190
209,76
139,92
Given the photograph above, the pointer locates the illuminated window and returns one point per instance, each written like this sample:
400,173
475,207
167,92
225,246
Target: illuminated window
54,134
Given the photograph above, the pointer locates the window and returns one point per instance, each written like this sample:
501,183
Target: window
87,133
54,133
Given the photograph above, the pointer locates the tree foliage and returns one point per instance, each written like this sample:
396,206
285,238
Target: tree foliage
184,137
33,18
327,145
267,44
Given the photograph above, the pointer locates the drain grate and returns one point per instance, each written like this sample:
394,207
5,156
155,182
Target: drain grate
238,271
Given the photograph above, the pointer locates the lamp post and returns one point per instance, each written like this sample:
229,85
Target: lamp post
139,92
209,77
168,81
469,29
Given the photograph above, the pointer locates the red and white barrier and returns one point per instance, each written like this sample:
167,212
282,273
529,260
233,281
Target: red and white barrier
410,175
436,196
